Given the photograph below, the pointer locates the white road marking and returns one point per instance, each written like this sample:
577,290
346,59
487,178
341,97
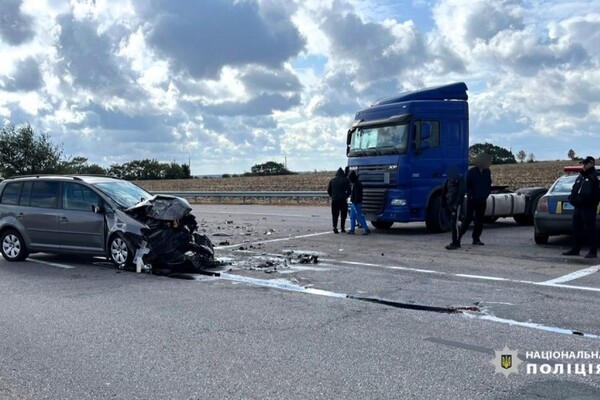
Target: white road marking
272,240
334,262
269,214
64,266
574,275
531,325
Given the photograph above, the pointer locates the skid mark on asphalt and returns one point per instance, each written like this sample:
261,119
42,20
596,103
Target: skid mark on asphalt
469,312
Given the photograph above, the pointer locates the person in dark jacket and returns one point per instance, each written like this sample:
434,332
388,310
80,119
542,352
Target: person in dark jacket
356,199
453,194
585,196
479,187
339,190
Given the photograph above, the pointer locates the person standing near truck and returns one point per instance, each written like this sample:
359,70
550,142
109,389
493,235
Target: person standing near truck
339,190
453,194
356,199
585,196
479,187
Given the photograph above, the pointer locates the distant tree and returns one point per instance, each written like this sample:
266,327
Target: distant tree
24,152
571,154
270,168
80,166
521,155
186,171
499,155
531,158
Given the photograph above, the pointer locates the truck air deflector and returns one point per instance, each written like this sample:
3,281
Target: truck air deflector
453,91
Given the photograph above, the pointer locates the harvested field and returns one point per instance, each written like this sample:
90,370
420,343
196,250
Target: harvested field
515,176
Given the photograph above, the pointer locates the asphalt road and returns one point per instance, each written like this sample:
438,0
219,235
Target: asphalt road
368,320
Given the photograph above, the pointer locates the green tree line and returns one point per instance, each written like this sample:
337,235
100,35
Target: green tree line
25,152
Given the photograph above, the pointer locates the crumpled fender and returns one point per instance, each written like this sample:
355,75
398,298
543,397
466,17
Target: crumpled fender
119,221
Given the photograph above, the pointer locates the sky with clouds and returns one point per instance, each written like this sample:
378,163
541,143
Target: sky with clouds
227,84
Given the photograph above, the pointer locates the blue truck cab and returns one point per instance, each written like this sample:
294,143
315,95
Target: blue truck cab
402,147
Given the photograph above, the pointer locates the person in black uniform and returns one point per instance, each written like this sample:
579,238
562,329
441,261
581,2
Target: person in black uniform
339,190
453,194
585,196
479,187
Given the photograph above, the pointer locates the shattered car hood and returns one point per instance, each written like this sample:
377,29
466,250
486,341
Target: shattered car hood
162,207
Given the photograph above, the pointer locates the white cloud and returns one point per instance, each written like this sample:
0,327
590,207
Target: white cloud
232,83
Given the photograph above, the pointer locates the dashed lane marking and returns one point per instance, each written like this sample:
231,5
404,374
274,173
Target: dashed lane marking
57,265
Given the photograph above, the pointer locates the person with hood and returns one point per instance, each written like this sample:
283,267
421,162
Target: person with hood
479,187
339,190
356,199
453,194
585,196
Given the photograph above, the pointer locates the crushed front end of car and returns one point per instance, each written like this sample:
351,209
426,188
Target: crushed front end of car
165,239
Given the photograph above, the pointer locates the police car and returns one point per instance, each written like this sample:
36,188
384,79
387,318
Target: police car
554,213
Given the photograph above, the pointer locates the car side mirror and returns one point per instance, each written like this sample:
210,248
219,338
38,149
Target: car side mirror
97,209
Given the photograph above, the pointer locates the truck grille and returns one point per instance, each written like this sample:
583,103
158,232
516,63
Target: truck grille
374,200
377,175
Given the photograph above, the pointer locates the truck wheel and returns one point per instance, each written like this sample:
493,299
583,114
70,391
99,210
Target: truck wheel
437,219
13,247
382,224
540,238
527,219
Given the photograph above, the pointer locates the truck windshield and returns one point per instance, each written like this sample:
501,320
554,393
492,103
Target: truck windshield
367,141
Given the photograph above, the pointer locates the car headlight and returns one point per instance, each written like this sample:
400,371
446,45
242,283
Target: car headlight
398,202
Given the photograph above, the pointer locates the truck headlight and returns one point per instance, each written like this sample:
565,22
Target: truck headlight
398,202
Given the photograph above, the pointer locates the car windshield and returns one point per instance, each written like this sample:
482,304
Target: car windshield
379,140
563,184
124,193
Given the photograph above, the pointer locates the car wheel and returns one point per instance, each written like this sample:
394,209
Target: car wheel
540,238
13,247
120,252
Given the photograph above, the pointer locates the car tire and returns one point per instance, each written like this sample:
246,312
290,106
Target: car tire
540,238
120,251
12,246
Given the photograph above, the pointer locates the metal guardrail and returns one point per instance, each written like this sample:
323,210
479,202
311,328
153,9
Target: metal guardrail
247,194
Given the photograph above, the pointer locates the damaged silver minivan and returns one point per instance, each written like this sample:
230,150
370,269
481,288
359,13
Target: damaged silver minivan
101,216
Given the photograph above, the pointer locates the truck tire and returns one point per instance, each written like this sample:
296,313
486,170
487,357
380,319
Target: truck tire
437,219
527,219
382,224
540,238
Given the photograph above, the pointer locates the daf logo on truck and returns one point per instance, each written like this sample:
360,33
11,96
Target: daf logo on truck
402,147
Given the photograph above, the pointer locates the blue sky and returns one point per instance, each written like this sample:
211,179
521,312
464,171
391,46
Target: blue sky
228,84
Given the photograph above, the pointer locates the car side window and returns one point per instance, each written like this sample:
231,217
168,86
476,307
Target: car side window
26,194
44,194
78,197
11,192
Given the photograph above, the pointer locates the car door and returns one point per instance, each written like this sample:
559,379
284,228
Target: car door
39,214
81,227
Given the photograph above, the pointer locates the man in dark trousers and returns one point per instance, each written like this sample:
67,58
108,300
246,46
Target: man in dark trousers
584,197
339,190
453,194
479,187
